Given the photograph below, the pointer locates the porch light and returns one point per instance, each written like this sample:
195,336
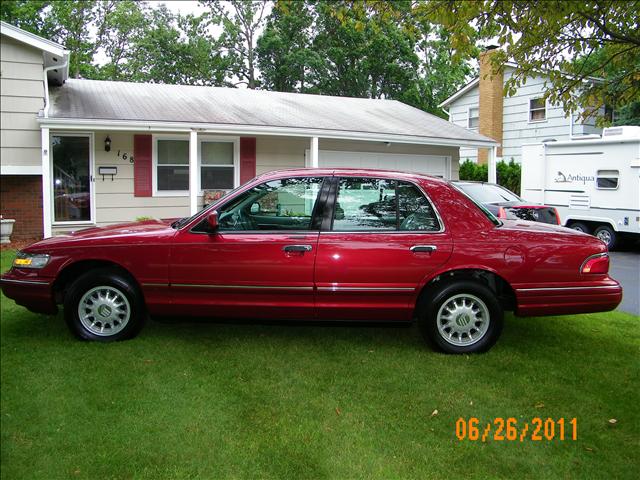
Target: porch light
107,144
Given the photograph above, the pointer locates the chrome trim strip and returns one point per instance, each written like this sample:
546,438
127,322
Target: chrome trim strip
243,287
23,282
596,255
555,289
155,284
366,289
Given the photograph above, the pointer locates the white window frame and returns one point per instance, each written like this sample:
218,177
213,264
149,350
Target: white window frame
600,174
546,110
236,158
92,190
154,156
469,127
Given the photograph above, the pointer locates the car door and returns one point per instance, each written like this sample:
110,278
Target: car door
381,240
259,262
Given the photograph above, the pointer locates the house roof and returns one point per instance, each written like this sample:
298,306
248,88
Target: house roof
93,102
54,53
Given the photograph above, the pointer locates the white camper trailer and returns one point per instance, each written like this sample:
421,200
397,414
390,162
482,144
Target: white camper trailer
594,182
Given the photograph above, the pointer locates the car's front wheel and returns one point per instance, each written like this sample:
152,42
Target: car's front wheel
461,317
104,305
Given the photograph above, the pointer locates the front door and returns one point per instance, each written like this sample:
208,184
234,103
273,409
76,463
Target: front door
259,262
72,174
384,239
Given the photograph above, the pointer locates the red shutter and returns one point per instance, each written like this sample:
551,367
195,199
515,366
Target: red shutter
247,158
142,166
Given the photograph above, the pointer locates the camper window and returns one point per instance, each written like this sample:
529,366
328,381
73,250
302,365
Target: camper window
607,179
537,110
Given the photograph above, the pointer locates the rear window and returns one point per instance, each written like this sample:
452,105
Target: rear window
482,208
484,193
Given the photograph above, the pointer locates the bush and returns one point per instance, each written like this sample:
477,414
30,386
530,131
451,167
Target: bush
508,174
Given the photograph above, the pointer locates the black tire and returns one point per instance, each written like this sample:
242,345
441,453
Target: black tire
580,227
467,294
607,235
115,304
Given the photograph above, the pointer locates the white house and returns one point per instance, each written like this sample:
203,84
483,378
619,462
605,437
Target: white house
480,106
79,153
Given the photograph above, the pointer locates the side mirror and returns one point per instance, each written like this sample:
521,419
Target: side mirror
212,220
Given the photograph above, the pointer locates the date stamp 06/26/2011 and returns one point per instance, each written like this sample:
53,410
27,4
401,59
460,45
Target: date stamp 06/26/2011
510,429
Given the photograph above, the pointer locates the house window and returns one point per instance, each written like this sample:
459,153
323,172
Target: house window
172,165
607,179
216,165
537,109
473,117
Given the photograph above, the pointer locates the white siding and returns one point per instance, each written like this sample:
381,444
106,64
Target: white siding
21,97
517,129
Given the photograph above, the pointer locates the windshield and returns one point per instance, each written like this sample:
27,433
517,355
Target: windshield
482,208
485,193
186,220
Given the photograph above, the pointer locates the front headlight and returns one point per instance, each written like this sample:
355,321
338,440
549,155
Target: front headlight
31,260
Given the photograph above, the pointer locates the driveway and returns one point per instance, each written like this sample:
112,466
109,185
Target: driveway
625,268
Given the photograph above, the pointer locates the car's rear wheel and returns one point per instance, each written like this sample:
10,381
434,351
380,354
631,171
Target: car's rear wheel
105,306
461,317
607,235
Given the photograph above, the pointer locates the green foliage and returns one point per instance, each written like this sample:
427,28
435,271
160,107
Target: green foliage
628,115
508,174
569,41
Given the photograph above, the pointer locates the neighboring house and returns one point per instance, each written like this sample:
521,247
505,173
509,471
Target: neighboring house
104,152
480,106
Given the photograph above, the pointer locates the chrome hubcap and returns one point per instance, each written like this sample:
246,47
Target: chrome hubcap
463,320
605,236
104,311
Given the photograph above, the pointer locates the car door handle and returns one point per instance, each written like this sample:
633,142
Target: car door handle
423,248
297,248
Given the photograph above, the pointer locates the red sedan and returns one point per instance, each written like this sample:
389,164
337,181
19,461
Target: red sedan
321,245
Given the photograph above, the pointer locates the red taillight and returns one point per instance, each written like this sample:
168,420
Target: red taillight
502,213
557,216
596,264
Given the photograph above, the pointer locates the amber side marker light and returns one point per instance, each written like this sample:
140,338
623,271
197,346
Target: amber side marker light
598,263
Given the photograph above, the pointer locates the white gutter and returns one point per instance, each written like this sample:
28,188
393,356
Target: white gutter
45,112
155,126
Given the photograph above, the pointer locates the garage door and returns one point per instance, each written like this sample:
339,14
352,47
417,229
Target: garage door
429,164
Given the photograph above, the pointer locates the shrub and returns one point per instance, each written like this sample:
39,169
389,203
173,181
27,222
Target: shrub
508,173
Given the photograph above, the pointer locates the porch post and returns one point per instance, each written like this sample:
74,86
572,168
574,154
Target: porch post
313,152
491,164
193,172
46,183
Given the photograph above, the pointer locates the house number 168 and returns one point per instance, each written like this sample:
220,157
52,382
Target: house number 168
125,156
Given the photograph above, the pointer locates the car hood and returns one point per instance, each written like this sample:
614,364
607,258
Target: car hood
133,232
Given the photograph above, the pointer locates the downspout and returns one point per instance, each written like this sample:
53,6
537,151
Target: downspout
45,111
571,125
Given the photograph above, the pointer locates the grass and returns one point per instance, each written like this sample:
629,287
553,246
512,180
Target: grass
205,400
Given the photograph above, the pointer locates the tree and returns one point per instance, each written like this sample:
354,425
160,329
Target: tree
569,41
284,50
241,21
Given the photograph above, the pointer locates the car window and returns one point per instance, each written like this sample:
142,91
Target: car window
365,204
485,193
286,204
370,204
414,210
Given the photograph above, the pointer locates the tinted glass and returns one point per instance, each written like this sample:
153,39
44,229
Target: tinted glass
216,178
484,193
415,211
365,204
278,205
607,179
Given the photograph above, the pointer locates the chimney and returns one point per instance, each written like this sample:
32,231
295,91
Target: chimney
491,101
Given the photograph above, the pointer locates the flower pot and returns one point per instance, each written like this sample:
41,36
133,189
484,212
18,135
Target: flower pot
6,227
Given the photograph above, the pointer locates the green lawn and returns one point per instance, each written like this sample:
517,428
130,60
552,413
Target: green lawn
206,400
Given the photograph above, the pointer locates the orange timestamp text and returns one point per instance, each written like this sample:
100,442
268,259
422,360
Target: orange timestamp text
510,429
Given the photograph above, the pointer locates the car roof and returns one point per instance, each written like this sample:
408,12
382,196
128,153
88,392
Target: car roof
351,172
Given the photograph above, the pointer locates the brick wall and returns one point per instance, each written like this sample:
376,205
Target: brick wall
21,199
490,104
